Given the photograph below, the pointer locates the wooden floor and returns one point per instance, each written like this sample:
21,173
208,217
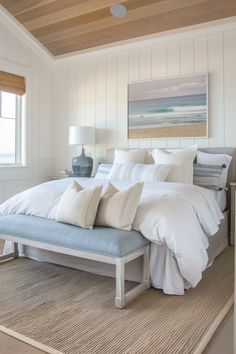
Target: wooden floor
10,345
222,342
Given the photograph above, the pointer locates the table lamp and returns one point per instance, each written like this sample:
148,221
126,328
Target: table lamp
82,165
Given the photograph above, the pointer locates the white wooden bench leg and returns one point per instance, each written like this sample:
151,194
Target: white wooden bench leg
122,298
120,283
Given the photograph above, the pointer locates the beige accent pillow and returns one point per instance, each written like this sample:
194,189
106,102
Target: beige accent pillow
117,208
182,162
78,206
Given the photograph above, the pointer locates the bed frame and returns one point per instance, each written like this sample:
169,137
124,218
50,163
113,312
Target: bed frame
123,298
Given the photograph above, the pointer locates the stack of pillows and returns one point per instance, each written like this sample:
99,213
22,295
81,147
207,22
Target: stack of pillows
211,170
168,165
174,165
108,206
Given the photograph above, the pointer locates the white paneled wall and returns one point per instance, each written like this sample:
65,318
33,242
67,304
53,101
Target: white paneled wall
93,88
16,55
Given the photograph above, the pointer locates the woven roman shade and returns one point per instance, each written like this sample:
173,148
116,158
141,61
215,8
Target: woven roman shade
12,83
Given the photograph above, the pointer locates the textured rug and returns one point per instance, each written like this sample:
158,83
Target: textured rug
64,310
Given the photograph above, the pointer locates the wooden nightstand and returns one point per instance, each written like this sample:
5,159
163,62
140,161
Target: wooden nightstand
232,214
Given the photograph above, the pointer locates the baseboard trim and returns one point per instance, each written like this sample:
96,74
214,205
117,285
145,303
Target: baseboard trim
212,329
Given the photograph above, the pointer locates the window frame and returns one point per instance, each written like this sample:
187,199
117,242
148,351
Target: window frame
18,131
26,155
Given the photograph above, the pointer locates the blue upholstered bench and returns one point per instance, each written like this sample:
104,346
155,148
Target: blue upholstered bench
101,244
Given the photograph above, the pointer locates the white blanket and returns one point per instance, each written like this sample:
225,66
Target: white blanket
176,216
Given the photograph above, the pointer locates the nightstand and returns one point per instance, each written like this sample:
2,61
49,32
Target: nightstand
232,214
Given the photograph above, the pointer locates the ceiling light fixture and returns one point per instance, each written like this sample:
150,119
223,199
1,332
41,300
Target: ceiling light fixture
118,10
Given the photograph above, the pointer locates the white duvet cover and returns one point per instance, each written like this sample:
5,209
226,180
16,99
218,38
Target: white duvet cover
175,217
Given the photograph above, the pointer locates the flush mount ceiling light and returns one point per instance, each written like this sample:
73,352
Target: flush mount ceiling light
118,10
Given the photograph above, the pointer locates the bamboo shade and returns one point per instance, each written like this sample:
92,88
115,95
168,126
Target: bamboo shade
12,83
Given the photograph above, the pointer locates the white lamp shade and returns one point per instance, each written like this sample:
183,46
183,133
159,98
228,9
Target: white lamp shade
81,135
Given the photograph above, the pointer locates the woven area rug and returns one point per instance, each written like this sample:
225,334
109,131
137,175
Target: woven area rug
64,310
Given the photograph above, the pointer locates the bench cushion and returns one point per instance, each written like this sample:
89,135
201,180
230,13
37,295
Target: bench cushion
100,240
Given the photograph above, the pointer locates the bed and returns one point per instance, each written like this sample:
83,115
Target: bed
164,265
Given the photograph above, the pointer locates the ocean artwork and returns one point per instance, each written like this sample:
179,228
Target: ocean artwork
168,108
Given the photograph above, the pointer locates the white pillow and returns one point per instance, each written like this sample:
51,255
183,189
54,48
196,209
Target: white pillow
182,161
78,206
216,159
118,208
129,156
133,156
140,172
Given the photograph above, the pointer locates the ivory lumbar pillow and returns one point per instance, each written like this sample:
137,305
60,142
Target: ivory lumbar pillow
78,206
117,208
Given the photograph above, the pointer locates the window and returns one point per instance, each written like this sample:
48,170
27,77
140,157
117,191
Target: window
10,128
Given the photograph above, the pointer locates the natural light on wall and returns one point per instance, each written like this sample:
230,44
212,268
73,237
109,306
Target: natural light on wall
9,113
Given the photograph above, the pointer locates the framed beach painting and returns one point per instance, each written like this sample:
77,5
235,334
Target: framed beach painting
168,108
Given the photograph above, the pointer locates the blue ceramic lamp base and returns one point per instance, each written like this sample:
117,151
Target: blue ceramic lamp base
82,165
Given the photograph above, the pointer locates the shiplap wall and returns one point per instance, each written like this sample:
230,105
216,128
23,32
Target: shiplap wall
92,89
18,57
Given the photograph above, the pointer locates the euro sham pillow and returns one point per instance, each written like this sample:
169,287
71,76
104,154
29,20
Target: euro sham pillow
117,208
78,206
140,172
181,161
103,171
208,176
129,156
205,158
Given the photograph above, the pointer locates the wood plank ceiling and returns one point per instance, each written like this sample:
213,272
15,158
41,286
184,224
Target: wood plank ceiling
66,26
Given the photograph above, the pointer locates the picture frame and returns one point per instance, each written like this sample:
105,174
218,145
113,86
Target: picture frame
173,107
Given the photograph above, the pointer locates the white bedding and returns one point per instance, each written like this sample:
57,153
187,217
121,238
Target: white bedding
172,215
221,198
